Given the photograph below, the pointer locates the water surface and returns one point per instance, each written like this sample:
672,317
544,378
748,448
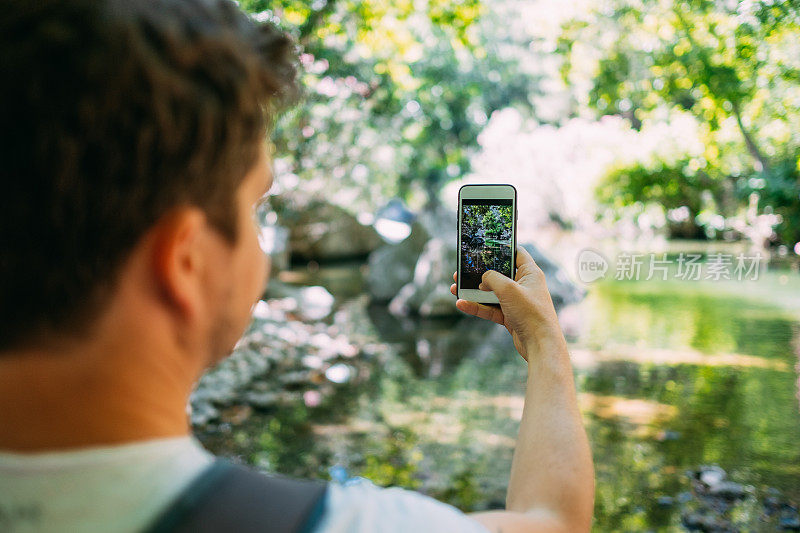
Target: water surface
670,377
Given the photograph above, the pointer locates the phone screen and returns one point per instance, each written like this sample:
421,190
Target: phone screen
487,235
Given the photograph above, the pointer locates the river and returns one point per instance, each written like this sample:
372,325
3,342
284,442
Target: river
671,376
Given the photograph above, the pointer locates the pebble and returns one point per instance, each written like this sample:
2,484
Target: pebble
668,435
665,501
728,490
711,475
262,399
700,522
790,523
339,373
297,377
236,414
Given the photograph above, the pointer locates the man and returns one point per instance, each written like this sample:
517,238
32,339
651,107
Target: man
133,156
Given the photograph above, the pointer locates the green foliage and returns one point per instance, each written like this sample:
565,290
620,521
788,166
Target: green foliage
780,194
395,97
671,186
396,463
463,492
733,67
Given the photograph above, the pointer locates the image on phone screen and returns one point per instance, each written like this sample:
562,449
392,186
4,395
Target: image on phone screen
487,227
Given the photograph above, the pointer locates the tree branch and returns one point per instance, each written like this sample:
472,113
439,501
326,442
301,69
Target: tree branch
752,147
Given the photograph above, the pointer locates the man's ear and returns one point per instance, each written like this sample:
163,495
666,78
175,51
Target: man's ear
177,260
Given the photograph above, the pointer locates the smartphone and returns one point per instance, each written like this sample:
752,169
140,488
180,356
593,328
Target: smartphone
487,237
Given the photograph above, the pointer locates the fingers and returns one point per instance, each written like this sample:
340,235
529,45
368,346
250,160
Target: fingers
494,281
481,311
495,314
523,257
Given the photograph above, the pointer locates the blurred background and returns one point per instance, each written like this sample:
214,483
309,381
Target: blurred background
642,129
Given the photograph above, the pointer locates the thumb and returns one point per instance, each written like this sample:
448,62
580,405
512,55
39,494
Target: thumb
494,281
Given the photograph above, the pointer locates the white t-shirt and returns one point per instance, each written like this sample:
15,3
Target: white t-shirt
124,488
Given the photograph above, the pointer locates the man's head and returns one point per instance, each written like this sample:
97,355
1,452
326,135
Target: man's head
131,123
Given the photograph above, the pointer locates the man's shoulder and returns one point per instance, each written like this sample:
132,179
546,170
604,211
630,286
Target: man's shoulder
361,506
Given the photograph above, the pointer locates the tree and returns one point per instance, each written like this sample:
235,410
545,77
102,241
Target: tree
734,66
395,96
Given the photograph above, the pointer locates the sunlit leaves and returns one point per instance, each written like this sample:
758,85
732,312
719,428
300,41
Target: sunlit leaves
733,65
399,89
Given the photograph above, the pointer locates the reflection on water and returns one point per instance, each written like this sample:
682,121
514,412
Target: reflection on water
491,255
668,380
742,416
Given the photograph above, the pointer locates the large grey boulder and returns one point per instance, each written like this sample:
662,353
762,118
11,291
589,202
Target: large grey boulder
323,231
428,292
307,303
393,266
415,275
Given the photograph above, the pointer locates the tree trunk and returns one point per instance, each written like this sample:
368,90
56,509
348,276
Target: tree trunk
752,147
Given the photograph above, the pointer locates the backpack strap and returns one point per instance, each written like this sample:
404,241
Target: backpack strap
226,498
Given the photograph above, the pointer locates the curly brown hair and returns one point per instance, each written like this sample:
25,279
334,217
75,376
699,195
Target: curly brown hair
115,112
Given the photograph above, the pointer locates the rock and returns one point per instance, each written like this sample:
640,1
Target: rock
262,399
772,502
428,292
403,257
322,231
397,211
202,413
339,373
667,435
415,274
700,522
790,523
787,508
439,302
308,303
392,266
665,501
393,221
440,222
262,351
728,490
718,504
296,378
711,475
236,414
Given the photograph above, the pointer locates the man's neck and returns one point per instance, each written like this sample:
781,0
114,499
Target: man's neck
91,397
